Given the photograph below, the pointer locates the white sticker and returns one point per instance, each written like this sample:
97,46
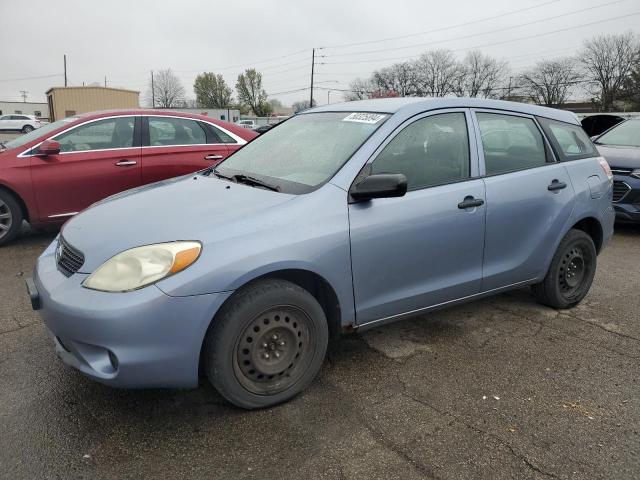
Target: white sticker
362,117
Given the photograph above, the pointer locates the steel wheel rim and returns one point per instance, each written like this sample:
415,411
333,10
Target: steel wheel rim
573,271
6,219
265,365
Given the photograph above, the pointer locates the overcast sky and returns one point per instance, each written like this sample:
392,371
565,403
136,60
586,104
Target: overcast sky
125,40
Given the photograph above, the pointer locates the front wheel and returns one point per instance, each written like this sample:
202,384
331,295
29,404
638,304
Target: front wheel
266,344
571,272
10,217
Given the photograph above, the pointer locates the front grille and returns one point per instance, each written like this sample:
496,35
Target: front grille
68,259
620,190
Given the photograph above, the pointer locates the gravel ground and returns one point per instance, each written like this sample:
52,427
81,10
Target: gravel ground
499,388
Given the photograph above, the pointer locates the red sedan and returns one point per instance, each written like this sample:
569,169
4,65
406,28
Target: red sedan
52,173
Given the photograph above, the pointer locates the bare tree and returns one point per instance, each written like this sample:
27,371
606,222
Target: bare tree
400,78
437,73
168,91
359,89
301,105
609,60
550,82
251,93
481,75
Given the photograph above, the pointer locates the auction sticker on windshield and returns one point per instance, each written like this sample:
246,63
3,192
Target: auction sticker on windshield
364,117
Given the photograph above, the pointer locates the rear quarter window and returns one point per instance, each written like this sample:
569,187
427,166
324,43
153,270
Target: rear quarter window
569,141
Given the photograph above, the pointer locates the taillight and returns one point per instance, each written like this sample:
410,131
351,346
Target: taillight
607,169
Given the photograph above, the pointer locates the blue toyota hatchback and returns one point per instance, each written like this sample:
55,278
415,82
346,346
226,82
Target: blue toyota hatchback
342,218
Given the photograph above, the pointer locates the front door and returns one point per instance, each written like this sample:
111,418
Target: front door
97,159
425,248
175,146
529,198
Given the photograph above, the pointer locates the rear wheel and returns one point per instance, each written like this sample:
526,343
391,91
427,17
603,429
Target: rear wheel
571,272
10,217
27,129
266,344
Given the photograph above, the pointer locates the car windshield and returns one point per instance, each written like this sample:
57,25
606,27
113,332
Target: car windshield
627,134
37,133
305,151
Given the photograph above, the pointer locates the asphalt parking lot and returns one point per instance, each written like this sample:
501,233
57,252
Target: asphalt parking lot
499,388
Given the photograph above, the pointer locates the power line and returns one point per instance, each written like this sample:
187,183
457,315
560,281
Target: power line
537,35
503,29
31,78
450,27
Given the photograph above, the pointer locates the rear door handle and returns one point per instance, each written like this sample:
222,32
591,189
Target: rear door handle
126,163
470,202
556,185
214,157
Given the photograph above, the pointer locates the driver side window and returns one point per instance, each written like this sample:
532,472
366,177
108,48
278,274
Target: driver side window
431,151
100,135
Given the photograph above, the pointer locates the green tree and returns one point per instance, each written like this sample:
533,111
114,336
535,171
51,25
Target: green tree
212,91
251,93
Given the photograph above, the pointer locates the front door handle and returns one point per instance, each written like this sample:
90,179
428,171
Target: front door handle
214,157
126,163
556,185
470,202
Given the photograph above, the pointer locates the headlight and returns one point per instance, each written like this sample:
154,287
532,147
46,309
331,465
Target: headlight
636,173
142,266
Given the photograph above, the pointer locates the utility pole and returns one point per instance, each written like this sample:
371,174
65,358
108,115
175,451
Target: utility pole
153,93
65,69
23,94
509,91
105,80
313,62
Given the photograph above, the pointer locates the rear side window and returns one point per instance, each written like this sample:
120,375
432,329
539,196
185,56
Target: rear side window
175,131
114,132
570,141
510,143
431,151
219,135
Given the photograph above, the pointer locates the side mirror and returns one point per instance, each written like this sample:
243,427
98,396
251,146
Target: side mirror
48,147
380,185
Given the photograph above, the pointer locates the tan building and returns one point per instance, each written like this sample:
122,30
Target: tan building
68,101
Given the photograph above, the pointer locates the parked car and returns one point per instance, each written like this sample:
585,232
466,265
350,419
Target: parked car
19,123
620,146
50,174
263,128
343,218
250,124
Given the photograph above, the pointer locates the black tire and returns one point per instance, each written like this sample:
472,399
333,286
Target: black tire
27,129
266,344
10,217
571,272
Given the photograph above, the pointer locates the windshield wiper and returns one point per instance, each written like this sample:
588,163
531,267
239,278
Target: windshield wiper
240,178
218,174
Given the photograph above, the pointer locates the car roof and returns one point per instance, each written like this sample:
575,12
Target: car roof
413,105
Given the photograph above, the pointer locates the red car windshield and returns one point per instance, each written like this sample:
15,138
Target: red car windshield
37,133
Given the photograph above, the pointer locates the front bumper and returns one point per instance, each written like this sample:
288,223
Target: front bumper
139,339
628,206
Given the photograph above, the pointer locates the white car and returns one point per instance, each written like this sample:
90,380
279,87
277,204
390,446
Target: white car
247,124
19,123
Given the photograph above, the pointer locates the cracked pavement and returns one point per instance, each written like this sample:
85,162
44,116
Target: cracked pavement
500,388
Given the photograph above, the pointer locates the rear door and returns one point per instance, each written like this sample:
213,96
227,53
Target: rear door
174,146
97,159
529,197
424,248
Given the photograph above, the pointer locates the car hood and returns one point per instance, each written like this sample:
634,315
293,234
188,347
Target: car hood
620,157
196,207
